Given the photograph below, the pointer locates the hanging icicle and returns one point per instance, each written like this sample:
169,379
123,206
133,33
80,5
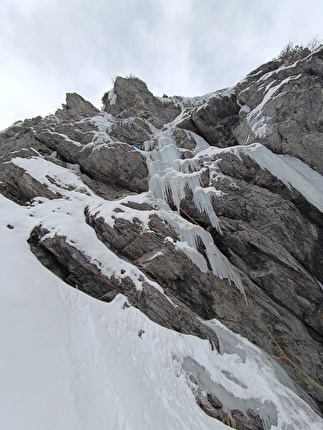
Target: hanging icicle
171,177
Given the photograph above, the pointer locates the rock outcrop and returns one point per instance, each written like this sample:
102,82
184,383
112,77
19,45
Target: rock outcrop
215,212
76,108
215,120
283,109
131,98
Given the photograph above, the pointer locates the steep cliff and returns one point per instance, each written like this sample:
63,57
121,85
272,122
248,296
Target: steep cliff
193,208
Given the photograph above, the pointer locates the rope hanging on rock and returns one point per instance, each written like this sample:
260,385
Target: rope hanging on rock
283,354
250,305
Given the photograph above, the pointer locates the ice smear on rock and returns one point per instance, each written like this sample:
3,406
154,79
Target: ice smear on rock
266,410
291,171
191,234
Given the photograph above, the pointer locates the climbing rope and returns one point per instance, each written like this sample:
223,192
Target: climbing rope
188,216
283,354
232,276
250,305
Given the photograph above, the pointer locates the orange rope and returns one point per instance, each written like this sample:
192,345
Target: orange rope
225,263
283,355
193,220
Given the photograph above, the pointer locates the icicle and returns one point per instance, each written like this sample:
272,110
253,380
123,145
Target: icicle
112,96
155,166
148,145
168,154
159,187
202,201
170,177
189,165
165,140
189,233
178,185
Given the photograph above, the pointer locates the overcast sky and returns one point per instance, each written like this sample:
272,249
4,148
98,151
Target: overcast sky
184,47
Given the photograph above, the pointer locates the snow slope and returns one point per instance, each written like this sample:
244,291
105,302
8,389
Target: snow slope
70,362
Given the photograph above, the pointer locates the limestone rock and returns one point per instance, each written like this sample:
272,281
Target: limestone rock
130,97
290,121
120,165
216,119
131,130
251,421
71,265
215,402
19,186
76,108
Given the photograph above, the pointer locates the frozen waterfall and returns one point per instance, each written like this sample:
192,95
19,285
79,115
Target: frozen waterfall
169,179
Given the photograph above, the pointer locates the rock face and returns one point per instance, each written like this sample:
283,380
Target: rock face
290,121
76,108
215,120
216,215
131,98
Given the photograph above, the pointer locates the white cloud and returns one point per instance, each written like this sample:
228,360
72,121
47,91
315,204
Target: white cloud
186,47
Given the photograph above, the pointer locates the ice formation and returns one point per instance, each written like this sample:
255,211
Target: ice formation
291,171
193,234
170,179
112,96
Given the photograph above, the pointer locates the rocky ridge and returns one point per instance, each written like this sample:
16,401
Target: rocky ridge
207,207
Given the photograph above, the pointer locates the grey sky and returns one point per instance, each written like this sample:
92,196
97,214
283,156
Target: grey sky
186,47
